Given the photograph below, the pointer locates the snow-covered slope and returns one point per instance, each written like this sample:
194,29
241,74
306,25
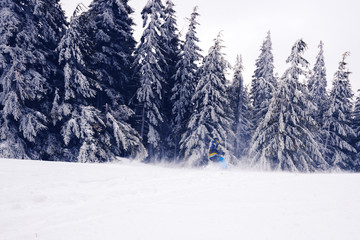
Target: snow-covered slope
47,200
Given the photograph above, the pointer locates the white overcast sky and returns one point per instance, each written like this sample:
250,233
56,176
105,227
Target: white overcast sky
244,25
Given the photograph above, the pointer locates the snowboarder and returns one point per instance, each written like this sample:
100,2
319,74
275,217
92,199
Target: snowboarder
215,154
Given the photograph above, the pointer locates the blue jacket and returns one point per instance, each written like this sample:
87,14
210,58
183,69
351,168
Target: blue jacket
214,149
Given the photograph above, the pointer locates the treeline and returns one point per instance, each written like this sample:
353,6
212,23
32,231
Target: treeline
85,91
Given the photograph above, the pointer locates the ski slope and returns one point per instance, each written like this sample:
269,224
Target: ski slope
57,201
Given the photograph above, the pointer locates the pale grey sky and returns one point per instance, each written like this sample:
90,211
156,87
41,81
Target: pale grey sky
244,25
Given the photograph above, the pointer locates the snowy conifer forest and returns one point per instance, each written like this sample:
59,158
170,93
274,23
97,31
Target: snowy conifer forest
86,91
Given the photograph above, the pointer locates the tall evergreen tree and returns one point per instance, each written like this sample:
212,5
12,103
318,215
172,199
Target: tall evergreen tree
91,134
29,33
149,62
240,105
317,86
211,104
263,82
337,120
171,44
284,140
80,122
52,28
186,79
111,30
356,127
318,95
171,48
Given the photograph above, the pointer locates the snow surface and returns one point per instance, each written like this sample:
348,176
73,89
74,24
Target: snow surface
54,200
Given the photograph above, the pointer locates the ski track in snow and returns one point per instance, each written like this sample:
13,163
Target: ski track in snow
56,201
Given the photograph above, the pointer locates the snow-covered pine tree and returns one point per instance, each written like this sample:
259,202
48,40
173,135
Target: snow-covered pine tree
337,120
263,82
283,140
356,127
80,122
318,95
240,105
89,134
149,62
29,33
171,43
52,28
186,79
317,87
211,107
111,30
170,48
